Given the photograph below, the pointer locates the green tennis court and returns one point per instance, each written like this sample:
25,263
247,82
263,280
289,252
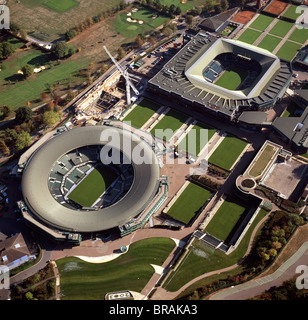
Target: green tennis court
227,152
189,203
262,22
232,78
142,113
288,50
93,186
269,43
225,220
168,125
249,36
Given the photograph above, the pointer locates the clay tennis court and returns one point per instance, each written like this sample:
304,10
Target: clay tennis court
244,16
276,7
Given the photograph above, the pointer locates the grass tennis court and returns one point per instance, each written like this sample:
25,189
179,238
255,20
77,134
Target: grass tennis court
227,152
189,203
288,50
269,43
170,123
225,220
299,35
93,186
281,28
142,113
232,78
91,281
262,22
200,139
291,12
249,36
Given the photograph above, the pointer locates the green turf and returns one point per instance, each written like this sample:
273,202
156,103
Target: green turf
299,35
225,220
262,22
281,28
288,50
291,12
93,186
60,5
199,141
232,78
227,152
15,91
131,271
189,203
249,36
269,43
130,30
202,259
170,123
142,113
262,161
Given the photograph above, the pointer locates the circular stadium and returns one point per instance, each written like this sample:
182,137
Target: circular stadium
89,179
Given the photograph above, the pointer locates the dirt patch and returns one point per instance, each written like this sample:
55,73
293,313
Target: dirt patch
276,7
244,16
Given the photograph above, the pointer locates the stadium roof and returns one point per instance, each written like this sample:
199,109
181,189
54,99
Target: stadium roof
172,80
44,206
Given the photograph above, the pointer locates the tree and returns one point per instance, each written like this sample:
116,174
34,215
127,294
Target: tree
178,10
27,70
23,114
50,118
23,140
59,49
4,148
5,110
121,53
6,49
104,68
138,41
224,5
189,19
70,34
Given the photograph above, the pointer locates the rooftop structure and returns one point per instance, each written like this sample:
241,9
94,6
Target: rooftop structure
193,77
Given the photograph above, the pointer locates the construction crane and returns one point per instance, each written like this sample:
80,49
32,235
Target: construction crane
124,73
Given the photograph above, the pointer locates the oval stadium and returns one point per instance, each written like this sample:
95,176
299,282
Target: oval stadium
66,185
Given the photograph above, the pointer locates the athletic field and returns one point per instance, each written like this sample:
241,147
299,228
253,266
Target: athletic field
93,186
142,113
262,22
170,123
91,281
189,203
227,152
249,36
288,50
269,42
225,220
194,141
232,78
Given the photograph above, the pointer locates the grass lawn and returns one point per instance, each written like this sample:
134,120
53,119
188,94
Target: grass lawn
142,113
131,271
299,35
269,43
203,259
194,141
60,5
130,29
184,6
288,50
281,28
227,152
232,78
290,13
262,22
93,186
189,203
225,220
249,36
168,125
262,161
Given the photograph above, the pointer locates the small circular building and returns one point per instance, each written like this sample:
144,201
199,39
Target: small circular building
114,165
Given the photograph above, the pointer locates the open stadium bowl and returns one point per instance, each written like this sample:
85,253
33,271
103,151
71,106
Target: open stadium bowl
45,207
269,63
